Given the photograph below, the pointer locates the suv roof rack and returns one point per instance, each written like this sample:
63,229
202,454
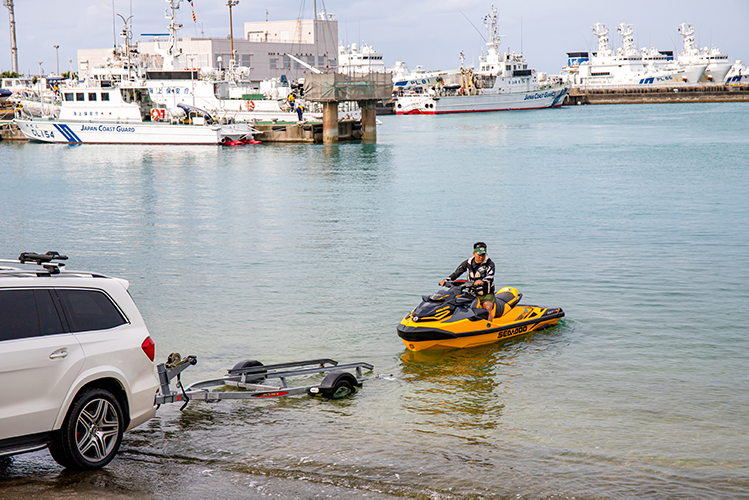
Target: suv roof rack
44,260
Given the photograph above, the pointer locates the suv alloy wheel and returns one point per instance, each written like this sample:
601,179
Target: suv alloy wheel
91,433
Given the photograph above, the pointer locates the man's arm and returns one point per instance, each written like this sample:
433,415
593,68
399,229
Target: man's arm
463,267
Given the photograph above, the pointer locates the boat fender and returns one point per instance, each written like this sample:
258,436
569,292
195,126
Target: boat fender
249,105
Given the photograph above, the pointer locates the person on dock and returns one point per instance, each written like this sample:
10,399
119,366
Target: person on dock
480,270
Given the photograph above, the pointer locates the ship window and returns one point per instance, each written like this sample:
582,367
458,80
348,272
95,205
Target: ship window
105,96
69,96
79,96
92,96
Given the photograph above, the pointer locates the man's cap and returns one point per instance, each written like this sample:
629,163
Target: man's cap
479,248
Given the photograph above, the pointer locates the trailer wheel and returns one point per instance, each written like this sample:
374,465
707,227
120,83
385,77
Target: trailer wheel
249,363
91,432
342,389
337,385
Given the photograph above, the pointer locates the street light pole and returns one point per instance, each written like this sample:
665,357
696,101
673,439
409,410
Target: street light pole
230,4
57,58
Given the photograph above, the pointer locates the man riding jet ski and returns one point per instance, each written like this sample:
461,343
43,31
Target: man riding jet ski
480,270
471,313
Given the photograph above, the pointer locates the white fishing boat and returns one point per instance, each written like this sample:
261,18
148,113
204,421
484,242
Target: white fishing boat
502,82
125,114
717,64
224,92
628,65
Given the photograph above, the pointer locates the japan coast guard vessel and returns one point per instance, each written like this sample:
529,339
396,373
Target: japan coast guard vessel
502,82
125,114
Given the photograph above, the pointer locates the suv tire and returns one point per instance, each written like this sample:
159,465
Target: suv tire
91,433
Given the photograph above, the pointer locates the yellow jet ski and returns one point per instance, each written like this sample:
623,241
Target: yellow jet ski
453,319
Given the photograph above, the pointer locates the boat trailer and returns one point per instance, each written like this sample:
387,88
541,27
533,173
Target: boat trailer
253,380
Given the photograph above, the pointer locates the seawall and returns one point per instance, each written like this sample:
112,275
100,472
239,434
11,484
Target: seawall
695,93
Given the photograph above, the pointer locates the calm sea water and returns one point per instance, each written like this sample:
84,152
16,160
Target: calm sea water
631,218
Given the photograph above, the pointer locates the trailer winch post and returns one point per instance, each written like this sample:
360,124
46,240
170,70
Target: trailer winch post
167,374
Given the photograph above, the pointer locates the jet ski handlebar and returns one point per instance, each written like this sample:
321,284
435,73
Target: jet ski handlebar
466,285
449,283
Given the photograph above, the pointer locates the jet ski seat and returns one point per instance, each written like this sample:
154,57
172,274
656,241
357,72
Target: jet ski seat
505,301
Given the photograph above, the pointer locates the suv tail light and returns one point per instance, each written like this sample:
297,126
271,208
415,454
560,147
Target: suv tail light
149,348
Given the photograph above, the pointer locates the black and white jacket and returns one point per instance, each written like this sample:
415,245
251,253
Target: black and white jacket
476,271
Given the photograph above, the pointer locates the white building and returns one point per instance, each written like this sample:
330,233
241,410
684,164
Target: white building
264,49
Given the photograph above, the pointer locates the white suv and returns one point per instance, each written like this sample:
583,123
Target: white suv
76,362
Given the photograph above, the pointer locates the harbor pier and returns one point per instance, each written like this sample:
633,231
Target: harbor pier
651,95
332,88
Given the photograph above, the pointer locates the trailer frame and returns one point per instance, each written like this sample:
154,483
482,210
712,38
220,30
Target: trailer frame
251,378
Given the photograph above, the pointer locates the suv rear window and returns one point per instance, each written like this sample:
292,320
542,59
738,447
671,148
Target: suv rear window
90,310
27,313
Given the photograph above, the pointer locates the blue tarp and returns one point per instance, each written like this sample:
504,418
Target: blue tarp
192,109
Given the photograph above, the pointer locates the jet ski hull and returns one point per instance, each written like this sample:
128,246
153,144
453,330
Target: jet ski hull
458,331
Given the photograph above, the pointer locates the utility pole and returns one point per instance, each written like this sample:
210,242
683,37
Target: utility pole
230,4
13,46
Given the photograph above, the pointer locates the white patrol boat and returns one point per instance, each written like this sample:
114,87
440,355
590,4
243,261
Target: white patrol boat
716,63
126,115
627,65
502,82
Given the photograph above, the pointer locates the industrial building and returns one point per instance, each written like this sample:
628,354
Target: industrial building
264,49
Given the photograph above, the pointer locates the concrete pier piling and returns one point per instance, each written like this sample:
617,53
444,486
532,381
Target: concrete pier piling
368,121
330,122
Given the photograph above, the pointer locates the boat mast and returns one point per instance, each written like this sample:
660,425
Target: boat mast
171,52
230,4
13,46
314,31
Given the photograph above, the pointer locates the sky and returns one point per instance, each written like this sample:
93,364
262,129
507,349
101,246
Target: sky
430,33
